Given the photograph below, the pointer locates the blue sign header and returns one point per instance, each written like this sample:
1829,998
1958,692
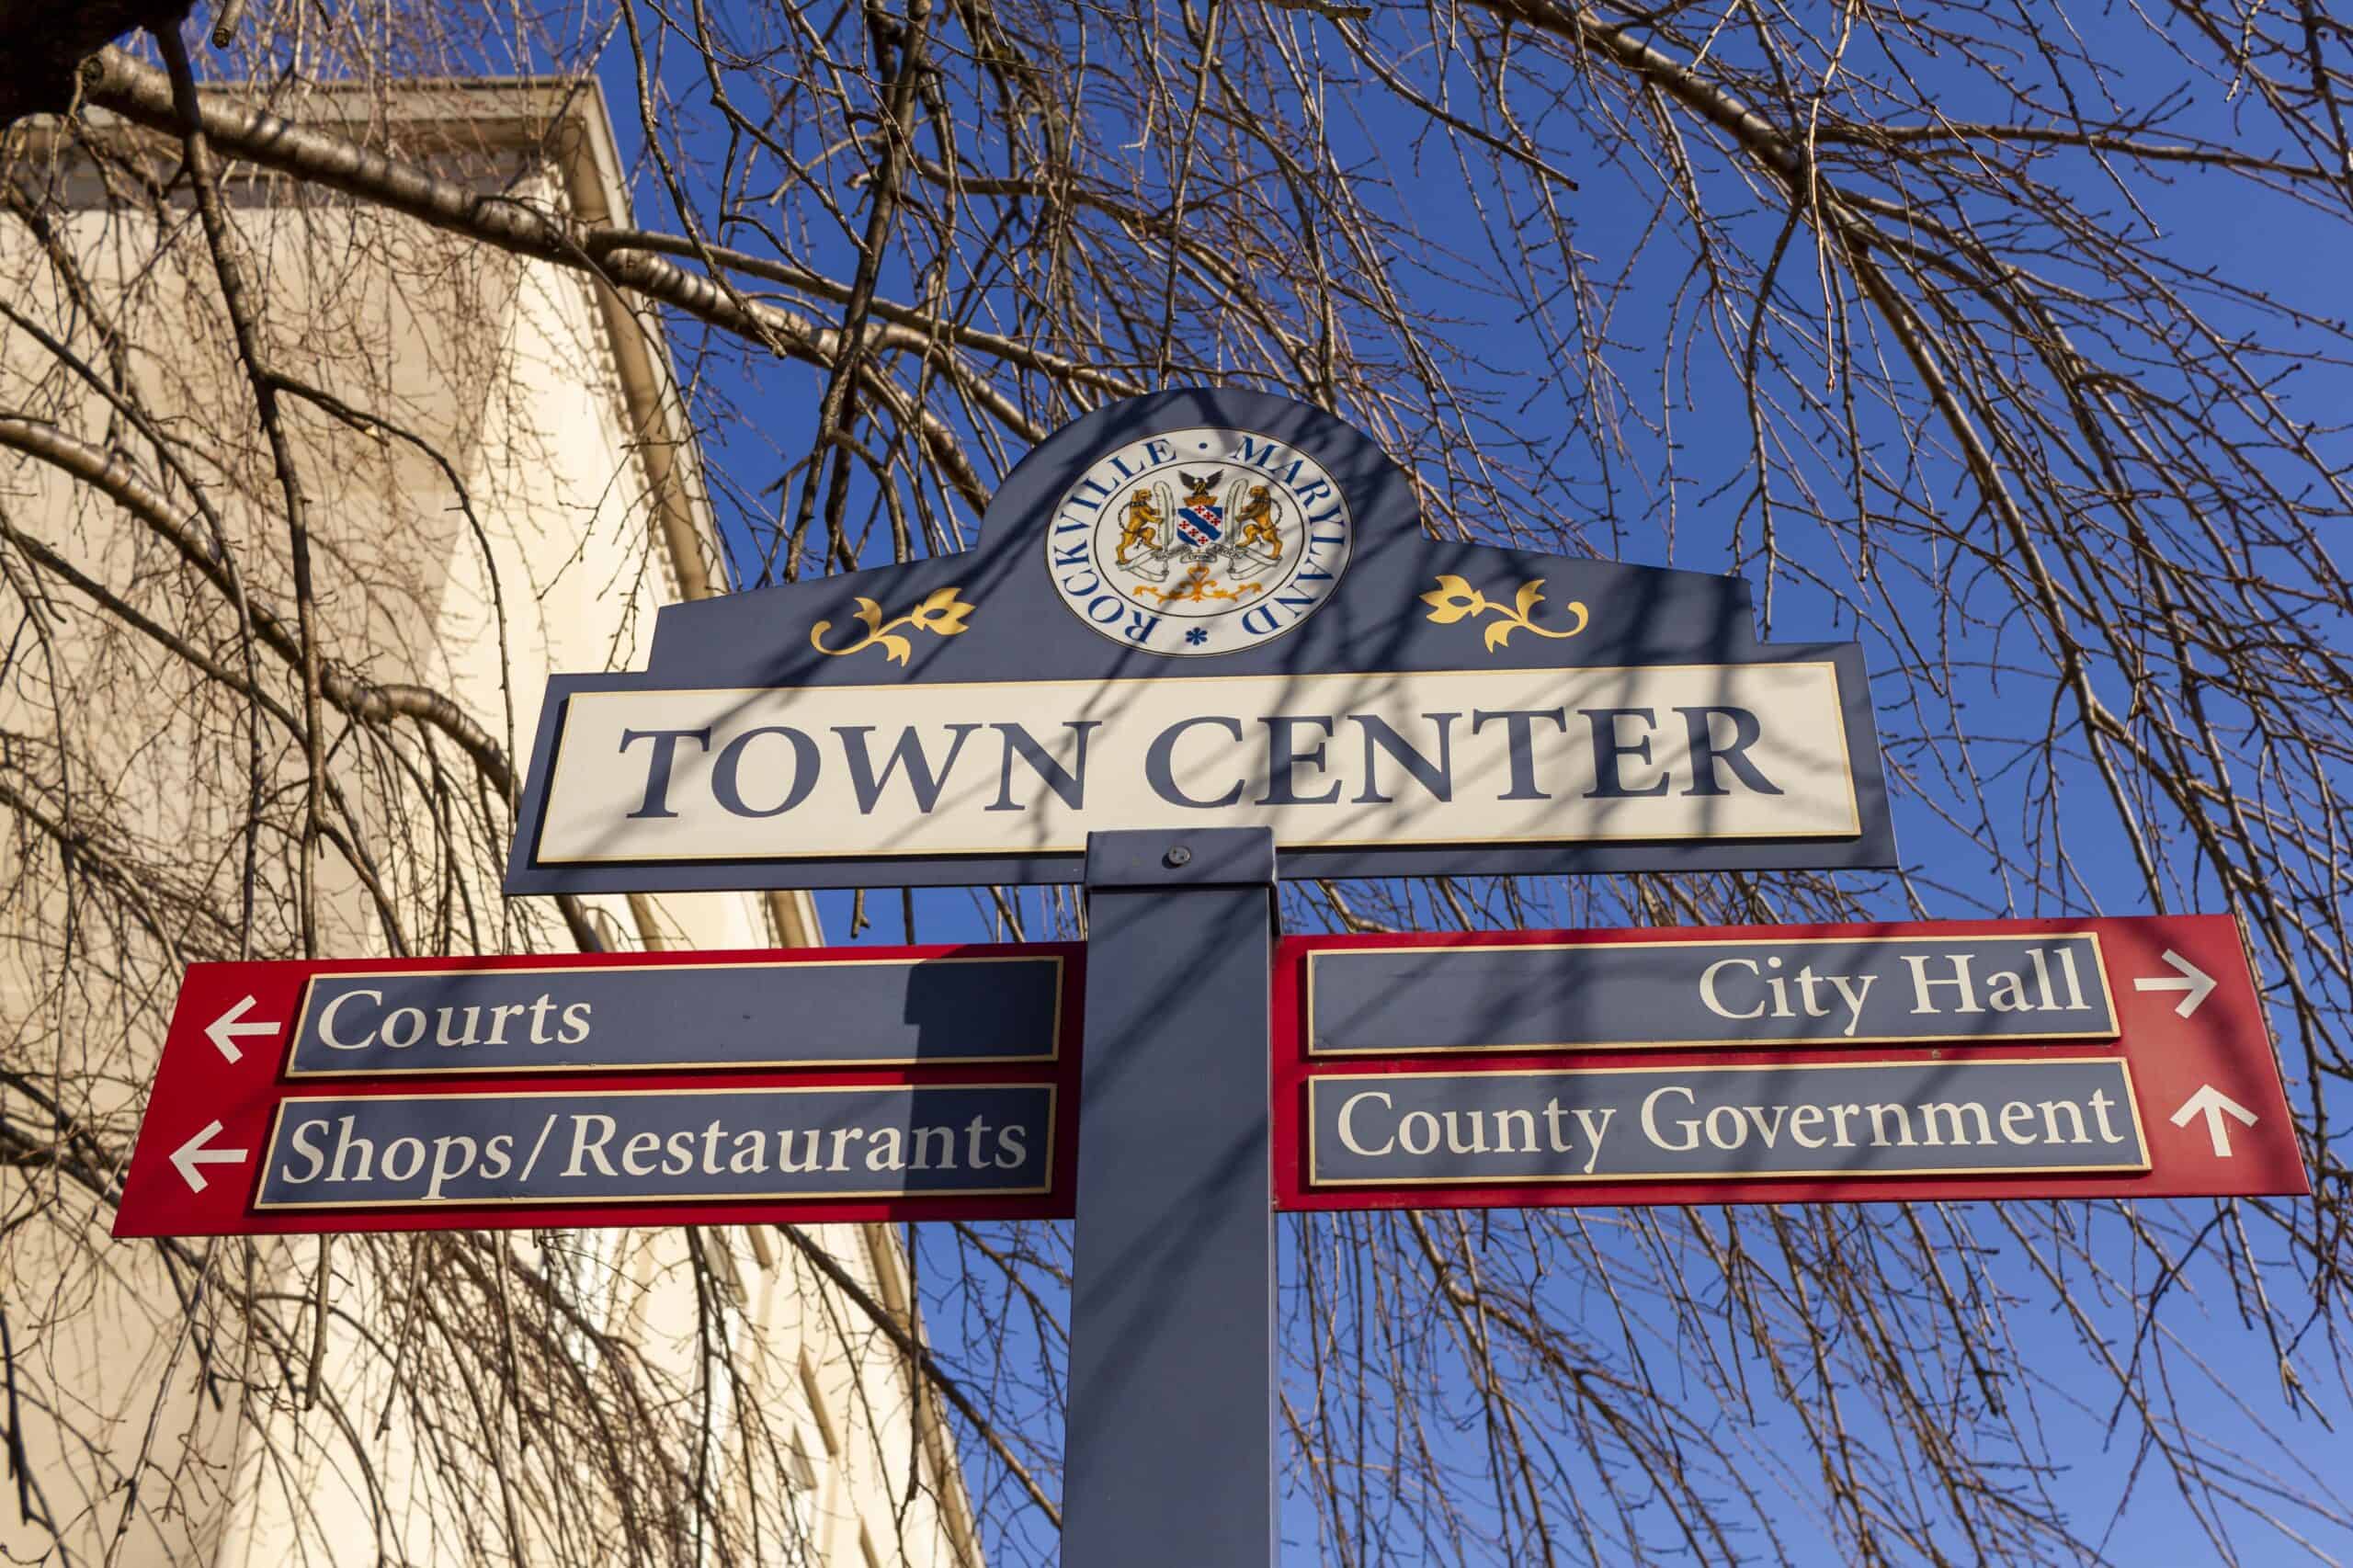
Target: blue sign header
1206,607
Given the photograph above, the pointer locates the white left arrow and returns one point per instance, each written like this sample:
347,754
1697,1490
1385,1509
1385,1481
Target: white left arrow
2214,1104
2194,983
190,1156
225,1030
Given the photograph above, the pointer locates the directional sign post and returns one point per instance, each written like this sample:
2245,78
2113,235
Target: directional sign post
1170,1435
611,1089
2089,1059
1202,639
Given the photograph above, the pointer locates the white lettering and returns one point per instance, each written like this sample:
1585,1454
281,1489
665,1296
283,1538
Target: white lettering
1708,989
1853,996
1595,1124
409,1152
1012,1147
1650,1120
1721,1117
306,1146
1347,1124
582,1148
1922,984
326,1021
452,1157
1802,1117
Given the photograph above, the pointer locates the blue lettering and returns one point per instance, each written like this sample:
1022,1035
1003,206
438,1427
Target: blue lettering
1698,725
1609,749
725,774
1519,728
658,772
1254,453
1160,772
1070,783
1437,777
925,784
1284,757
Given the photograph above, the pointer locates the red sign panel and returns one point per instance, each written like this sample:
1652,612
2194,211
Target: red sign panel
613,1090
2123,1058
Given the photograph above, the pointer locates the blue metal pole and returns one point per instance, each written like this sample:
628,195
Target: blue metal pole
1169,1443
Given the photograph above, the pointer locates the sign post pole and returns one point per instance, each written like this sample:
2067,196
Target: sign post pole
1170,1438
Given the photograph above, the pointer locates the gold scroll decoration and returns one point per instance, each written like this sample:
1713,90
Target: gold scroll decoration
1455,599
942,613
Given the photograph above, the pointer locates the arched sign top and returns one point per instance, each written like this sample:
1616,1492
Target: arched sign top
1215,607
1034,602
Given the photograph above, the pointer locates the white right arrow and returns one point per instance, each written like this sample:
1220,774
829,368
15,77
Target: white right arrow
223,1030
193,1153
2194,983
2215,1105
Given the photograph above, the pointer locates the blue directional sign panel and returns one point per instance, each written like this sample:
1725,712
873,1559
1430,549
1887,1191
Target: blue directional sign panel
1879,1119
1209,607
841,1013
1770,988
658,1146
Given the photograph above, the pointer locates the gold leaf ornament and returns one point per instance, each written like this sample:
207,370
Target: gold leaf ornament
1455,599
942,613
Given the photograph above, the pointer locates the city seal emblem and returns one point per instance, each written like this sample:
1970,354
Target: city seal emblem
1199,541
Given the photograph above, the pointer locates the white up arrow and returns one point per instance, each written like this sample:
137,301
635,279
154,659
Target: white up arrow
189,1156
224,1030
2194,983
2215,1105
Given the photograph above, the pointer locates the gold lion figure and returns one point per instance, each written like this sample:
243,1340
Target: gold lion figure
1136,530
1257,520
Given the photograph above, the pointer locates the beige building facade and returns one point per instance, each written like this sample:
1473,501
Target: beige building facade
499,485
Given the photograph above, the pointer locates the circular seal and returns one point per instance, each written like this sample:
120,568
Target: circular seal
1199,541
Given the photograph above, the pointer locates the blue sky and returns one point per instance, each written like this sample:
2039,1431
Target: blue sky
2128,1508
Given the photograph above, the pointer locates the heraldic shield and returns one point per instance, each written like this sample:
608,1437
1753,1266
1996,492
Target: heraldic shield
1202,520
1239,532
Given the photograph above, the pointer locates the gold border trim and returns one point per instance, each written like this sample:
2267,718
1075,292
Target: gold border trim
1238,816
814,1063
2131,1099
277,1123
2109,1032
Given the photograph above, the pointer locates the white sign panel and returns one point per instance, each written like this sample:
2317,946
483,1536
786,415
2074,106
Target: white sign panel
1665,752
